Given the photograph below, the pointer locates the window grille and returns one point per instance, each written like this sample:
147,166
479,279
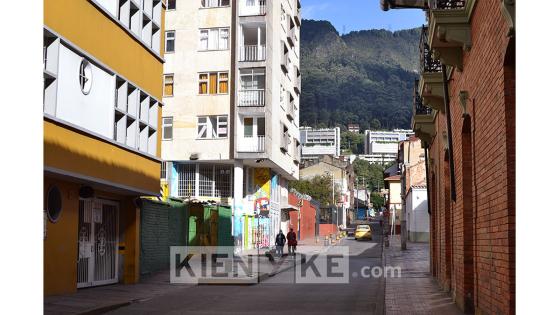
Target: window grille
187,179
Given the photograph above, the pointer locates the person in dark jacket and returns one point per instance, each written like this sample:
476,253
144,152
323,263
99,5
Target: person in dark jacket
292,242
280,241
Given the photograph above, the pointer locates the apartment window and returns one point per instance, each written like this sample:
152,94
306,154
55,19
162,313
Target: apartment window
163,173
253,127
171,5
168,82
213,83
214,39
167,126
214,3
170,41
212,127
283,97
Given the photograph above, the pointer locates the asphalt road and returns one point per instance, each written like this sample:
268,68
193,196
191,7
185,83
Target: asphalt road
280,294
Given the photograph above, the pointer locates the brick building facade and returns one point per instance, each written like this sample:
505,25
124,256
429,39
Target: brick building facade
466,118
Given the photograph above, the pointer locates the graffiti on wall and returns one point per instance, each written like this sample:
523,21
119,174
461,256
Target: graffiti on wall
261,232
262,190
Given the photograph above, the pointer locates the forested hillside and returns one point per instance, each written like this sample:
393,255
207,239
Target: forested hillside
363,77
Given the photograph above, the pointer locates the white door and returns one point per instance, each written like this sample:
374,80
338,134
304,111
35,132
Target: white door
97,242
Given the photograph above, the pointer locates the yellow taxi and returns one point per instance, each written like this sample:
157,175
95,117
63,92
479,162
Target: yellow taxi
363,231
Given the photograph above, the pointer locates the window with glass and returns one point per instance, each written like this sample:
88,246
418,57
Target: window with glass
167,127
214,39
214,3
171,5
213,83
212,127
253,127
168,82
170,41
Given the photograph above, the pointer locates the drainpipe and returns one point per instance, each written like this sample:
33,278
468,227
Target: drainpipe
449,134
427,177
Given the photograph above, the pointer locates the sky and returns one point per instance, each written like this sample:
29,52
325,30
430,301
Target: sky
356,15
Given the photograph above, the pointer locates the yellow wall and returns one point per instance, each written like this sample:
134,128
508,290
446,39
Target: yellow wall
60,247
79,153
61,244
87,27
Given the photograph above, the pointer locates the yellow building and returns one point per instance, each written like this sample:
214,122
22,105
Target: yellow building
103,71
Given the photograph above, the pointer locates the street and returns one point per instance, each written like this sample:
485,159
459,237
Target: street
279,294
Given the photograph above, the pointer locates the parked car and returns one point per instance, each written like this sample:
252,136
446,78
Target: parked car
363,231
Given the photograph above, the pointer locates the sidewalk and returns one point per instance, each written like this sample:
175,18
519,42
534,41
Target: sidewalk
98,300
416,291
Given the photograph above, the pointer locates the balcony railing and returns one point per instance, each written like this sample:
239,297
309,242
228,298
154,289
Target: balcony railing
447,4
251,98
257,8
418,106
427,62
251,144
252,53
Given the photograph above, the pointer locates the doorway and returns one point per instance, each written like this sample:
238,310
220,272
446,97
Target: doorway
97,242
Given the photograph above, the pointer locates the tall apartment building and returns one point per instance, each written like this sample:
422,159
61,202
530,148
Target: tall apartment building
382,146
102,69
318,142
464,112
231,114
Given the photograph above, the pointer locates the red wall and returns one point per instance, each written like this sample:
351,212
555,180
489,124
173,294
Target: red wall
307,218
327,229
473,238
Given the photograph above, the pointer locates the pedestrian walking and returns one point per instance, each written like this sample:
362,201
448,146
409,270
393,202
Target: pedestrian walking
280,241
292,242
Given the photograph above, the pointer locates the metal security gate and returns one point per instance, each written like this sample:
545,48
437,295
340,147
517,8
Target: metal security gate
97,242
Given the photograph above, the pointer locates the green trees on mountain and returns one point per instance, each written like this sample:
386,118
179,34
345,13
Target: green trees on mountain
362,77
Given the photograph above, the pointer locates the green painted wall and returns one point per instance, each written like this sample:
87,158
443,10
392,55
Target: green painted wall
161,225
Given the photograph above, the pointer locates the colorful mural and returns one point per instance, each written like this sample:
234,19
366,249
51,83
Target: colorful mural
262,183
261,232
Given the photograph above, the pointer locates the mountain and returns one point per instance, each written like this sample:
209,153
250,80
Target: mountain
363,77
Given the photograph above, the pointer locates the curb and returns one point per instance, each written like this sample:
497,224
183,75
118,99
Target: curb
106,308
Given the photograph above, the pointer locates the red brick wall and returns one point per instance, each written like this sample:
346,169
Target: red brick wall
482,263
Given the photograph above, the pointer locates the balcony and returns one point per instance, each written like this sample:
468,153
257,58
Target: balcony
449,30
252,53
430,86
297,152
252,42
297,80
290,111
423,117
251,144
284,61
251,98
292,38
254,7
285,142
297,17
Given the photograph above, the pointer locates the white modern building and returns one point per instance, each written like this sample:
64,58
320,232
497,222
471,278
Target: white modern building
417,217
318,142
382,146
231,108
